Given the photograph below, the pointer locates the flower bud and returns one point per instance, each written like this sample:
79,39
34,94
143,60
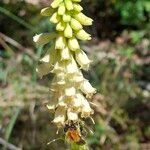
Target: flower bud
68,31
60,116
66,17
60,26
83,19
69,4
61,9
76,0
76,25
56,3
48,11
73,44
82,35
55,18
77,7
60,43
87,88
82,59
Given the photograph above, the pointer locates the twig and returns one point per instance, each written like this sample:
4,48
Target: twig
8,145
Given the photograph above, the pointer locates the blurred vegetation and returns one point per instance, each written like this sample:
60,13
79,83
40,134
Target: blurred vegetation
120,71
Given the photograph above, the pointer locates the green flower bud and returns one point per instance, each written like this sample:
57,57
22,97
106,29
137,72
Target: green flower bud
56,3
75,24
66,17
82,35
55,18
83,19
69,4
68,31
73,44
60,43
48,11
76,0
77,7
60,26
61,9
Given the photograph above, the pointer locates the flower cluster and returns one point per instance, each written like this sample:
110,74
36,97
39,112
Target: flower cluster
65,59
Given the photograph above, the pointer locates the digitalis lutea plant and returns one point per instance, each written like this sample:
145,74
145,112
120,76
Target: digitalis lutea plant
70,91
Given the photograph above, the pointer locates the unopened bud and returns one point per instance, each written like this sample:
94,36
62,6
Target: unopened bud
76,25
61,9
82,35
68,31
83,19
56,3
69,4
73,44
55,18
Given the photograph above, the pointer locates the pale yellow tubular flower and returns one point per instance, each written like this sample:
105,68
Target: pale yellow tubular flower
58,67
87,88
60,42
71,66
76,103
72,115
52,103
61,101
70,91
86,110
60,116
82,59
65,54
73,44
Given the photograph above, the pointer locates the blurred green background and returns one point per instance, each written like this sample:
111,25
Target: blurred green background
120,71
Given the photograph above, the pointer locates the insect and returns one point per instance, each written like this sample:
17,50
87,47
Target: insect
74,132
